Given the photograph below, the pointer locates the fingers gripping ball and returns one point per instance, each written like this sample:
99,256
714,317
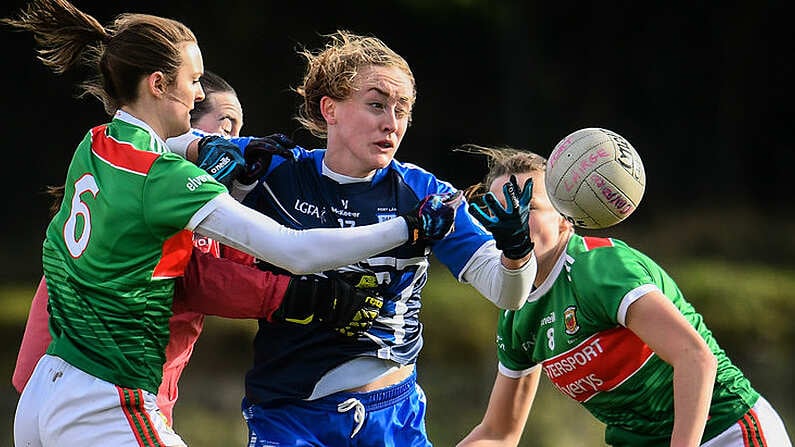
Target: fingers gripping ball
221,159
508,225
433,217
259,152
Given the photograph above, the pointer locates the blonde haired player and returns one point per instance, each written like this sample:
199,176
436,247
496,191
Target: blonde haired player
358,94
612,331
123,231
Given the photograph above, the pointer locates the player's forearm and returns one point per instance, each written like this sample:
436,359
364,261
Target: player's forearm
506,415
481,436
504,287
694,377
186,144
299,252
224,288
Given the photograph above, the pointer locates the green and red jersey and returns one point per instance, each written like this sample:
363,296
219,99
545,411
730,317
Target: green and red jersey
120,237
573,327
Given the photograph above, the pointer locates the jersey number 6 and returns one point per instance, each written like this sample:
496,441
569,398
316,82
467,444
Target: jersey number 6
77,243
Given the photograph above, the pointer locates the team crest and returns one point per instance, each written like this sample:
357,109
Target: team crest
570,319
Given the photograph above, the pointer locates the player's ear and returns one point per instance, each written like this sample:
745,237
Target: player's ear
564,224
156,84
328,107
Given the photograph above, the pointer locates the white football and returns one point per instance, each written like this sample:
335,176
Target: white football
595,178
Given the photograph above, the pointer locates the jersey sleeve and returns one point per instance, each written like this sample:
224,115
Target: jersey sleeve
175,192
609,279
512,352
225,288
456,249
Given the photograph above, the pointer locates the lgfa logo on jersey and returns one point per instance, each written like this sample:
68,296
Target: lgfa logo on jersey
570,320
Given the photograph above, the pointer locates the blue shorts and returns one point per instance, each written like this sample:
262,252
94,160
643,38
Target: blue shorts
393,416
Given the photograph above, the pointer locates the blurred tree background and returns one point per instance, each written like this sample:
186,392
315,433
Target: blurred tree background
701,89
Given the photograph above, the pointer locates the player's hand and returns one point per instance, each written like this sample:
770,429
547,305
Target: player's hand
347,302
356,304
433,217
259,152
220,158
508,225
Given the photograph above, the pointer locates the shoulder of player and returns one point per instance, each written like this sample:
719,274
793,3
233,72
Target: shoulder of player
302,153
418,179
587,251
126,147
301,157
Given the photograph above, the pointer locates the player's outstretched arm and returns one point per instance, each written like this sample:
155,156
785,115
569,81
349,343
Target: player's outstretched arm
507,280
225,288
317,249
348,303
657,321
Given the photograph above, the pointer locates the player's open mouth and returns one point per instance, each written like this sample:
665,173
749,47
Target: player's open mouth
385,144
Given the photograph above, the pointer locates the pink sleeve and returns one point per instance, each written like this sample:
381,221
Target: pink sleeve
224,288
35,340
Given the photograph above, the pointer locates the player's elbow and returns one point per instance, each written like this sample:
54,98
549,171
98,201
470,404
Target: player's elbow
707,360
698,357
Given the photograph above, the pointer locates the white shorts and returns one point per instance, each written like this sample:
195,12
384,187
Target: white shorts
761,426
64,406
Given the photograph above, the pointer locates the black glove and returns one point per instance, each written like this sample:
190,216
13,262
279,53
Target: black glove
508,225
347,302
258,154
220,158
433,217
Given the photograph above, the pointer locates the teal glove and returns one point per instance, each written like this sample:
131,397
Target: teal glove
221,159
508,225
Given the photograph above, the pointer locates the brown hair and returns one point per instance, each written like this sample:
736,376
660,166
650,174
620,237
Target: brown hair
501,161
332,70
132,47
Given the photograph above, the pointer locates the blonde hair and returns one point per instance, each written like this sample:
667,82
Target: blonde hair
332,71
131,48
501,161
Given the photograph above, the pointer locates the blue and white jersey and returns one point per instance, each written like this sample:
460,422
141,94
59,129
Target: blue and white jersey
289,358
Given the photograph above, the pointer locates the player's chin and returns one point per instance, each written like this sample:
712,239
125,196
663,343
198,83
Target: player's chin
181,129
382,158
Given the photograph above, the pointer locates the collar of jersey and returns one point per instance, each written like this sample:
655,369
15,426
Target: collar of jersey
121,115
343,179
553,275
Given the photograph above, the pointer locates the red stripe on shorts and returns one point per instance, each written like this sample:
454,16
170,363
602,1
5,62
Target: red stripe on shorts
752,431
759,431
132,404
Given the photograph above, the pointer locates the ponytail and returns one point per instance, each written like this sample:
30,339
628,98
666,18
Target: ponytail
131,48
66,36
